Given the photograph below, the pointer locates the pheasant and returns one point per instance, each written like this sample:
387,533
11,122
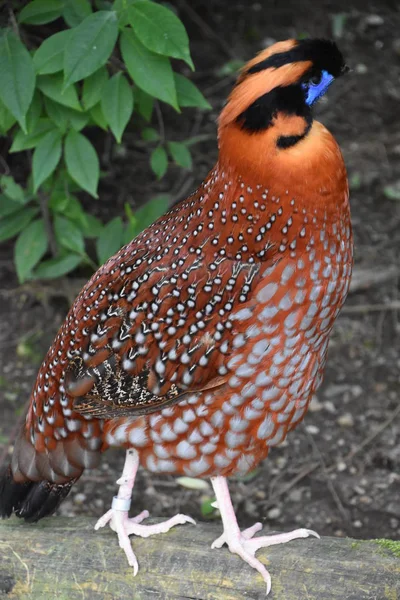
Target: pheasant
199,345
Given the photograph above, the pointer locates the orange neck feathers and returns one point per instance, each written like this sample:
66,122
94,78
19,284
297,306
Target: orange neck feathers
311,168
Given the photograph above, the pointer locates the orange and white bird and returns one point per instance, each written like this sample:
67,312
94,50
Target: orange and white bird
199,345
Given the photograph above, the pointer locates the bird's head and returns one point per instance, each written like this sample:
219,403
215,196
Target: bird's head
271,102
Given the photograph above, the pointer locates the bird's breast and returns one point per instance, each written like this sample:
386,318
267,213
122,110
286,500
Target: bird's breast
275,367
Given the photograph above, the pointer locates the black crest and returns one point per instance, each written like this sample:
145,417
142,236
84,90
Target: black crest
324,54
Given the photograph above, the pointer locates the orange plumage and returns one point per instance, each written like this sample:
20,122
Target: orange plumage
201,343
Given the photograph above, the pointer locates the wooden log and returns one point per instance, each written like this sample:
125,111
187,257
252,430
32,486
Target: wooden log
65,558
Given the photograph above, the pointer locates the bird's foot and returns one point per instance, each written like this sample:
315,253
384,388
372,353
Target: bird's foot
124,527
243,544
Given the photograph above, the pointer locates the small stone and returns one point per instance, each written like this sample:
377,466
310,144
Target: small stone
99,503
345,420
394,523
336,390
396,46
341,466
315,405
260,495
374,20
361,69
330,407
357,524
312,429
296,495
274,513
281,462
339,533
364,499
79,498
380,386
357,391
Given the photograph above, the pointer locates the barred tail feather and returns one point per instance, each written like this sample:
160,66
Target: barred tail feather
35,483
30,500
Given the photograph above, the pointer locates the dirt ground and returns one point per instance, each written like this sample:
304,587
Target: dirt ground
339,472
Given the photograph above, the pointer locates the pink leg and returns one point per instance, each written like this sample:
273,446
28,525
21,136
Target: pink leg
243,543
117,516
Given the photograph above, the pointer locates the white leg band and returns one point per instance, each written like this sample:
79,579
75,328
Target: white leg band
122,504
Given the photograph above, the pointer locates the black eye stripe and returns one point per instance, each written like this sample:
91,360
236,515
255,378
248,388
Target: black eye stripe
260,114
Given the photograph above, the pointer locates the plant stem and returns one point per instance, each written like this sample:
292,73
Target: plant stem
44,208
160,121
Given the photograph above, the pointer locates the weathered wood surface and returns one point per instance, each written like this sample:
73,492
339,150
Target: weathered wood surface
65,558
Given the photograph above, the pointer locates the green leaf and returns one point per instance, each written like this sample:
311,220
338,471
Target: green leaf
62,116
57,113
110,240
49,57
58,266
150,71
188,94
145,104
207,509
40,12
12,189
34,112
46,157
160,30
7,120
231,67
121,7
30,247
17,76
147,214
130,232
96,113
78,120
75,11
69,205
90,45
93,87
117,104
58,202
159,162
68,235
52,87
8,206
82,162
392,191
16,222
93,226
25,141
150,135
192,483
180,154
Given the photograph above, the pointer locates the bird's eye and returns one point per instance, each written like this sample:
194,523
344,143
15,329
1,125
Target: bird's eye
315,79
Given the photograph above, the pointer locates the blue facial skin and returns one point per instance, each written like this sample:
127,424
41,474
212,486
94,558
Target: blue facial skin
314,91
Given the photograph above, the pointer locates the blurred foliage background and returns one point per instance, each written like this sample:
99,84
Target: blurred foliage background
70,72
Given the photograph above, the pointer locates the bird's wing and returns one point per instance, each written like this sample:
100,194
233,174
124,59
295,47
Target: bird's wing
164,332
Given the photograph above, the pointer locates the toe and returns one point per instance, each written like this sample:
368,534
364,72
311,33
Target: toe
310,532
219,542
186,519
140,517
104,520
250,531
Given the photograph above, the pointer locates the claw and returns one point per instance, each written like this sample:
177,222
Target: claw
243,543
117,516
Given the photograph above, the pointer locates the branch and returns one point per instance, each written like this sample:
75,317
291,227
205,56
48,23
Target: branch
66,558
